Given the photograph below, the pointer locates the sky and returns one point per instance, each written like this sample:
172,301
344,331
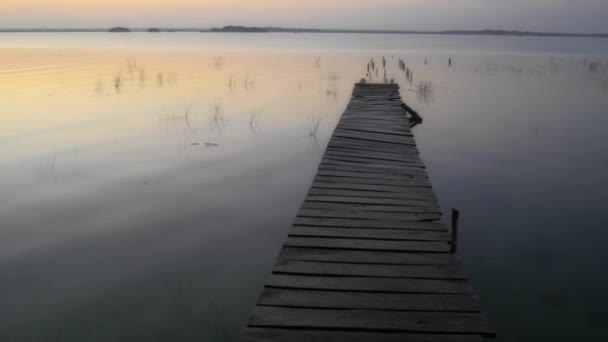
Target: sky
575,16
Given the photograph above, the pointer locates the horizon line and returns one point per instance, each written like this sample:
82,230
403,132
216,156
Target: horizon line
278,29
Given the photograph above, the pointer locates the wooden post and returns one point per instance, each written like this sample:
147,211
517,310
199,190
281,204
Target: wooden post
416,118
455,217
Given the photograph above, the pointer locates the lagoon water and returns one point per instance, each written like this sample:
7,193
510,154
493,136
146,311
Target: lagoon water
147,181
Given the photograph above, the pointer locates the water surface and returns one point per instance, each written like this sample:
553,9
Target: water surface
147,181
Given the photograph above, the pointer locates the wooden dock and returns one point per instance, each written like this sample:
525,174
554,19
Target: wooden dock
367,258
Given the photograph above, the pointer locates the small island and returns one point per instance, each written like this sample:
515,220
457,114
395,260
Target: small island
119,29
154,29
239,29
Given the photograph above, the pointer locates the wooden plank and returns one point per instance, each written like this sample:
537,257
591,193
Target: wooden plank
369,270
370,245
407,153
375,115
384,285
372,166
329,155
372,194
367,257
372,233
369,162
352,139
348,125
353,223
379,171
342,185
411,150
376,167
368,300
433,322
366,200
368,215
376,138
370,122
353,120
406,183
332,170
290,335
369,207
411,158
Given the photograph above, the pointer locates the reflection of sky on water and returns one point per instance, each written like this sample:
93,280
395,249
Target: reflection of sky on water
146,190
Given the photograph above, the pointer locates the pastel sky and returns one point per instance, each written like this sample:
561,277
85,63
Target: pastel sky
580,16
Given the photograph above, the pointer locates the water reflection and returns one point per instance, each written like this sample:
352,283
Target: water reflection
186,155
131,74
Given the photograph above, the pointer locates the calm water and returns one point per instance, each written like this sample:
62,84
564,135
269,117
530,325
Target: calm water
147,181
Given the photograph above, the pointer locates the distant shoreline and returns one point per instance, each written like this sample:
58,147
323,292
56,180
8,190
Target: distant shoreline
242,29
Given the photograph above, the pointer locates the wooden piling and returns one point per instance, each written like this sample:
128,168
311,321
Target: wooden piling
455,218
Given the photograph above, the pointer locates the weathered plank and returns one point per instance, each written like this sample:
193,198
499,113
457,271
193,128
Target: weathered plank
369,270
437,322
371,245
410,150
368,300
391,183
371,128
427,196
383,168
365,161
371,223
371,233
387,138
412,158
346,185
290,335
367,257
369,207
385,285
388,145
367,200
337,172
368,215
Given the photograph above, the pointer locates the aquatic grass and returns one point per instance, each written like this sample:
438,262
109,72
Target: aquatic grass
314,123
218,62
252,121
118,83
425,92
